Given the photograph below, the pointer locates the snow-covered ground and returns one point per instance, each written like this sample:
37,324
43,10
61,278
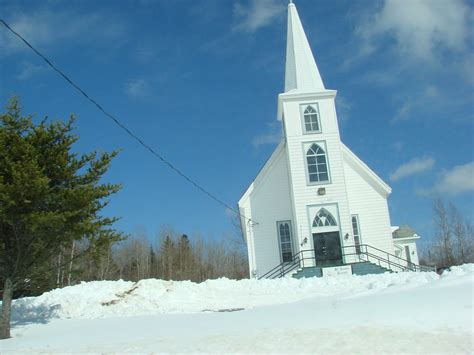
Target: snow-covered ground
373,314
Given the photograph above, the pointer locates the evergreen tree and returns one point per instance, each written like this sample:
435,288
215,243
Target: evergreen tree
167,253
184,259
49,197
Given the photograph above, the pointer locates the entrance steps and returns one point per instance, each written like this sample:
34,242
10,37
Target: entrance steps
362,268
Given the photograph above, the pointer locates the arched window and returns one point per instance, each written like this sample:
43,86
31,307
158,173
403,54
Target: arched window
324,219
356,233
284,234
317,165
311,121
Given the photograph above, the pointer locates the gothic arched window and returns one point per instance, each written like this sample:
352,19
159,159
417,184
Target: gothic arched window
284,234
324,219
311,119
317,164
356,233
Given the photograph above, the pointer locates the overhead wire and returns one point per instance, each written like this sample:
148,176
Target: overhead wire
126,129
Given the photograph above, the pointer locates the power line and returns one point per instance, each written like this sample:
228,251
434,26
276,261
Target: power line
124,128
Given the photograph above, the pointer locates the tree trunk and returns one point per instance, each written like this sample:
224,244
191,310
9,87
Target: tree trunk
6,309
58,278
70,263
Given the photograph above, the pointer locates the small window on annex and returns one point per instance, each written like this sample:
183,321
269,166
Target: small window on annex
311,119
286,245
317,164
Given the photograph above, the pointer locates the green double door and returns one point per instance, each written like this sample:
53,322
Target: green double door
327,249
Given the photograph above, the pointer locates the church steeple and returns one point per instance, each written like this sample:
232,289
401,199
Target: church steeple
301,73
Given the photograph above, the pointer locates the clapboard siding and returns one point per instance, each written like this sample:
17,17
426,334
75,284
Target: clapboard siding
371,208
281,192
269,202
305,194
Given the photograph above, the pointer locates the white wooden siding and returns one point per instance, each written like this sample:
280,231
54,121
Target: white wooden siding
305,194
269,202
372,209
400,246
282,192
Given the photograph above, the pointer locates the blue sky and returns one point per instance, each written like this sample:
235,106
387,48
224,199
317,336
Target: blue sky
198,80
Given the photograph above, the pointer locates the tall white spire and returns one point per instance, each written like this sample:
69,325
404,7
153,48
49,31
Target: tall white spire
301,73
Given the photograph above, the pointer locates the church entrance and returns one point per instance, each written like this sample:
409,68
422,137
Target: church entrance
327,249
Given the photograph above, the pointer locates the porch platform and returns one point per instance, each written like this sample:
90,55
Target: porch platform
359,268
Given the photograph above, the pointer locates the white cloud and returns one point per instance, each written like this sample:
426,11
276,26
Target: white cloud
28,70
459,179
43,28
272,136
137,88
419,29
344,108
413,104
398,146
414,166
266,138
257,14
404,110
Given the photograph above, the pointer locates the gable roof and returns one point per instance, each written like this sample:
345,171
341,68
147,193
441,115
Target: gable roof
365,171
405,232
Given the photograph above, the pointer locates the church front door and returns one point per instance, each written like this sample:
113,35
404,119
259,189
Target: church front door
327,249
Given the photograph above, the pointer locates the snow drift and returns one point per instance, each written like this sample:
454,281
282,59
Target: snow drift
99,299
388,313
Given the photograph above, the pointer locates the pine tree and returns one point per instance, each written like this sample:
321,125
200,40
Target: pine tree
167,253
184,258
49,197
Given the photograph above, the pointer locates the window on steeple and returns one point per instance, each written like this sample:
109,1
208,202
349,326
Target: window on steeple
311,119
317,164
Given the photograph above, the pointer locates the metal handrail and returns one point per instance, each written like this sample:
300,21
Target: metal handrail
393,262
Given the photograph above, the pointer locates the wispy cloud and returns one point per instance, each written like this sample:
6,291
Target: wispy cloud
28,70
45,27
272,136
458,180
414,166
421,30
426,99
398,146
256,14
344,107
138,88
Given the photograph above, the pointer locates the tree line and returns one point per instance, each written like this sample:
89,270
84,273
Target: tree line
171,256
453,241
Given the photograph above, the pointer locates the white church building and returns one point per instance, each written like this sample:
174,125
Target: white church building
315,208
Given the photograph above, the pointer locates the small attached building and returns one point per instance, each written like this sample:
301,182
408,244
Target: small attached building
404,241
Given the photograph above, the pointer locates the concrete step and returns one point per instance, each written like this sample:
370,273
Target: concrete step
367,268
362,268
308,272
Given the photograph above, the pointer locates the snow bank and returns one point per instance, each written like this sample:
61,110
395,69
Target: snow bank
100,299
391,313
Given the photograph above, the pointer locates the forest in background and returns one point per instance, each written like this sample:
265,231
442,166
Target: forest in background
168,256
453,239
171,255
